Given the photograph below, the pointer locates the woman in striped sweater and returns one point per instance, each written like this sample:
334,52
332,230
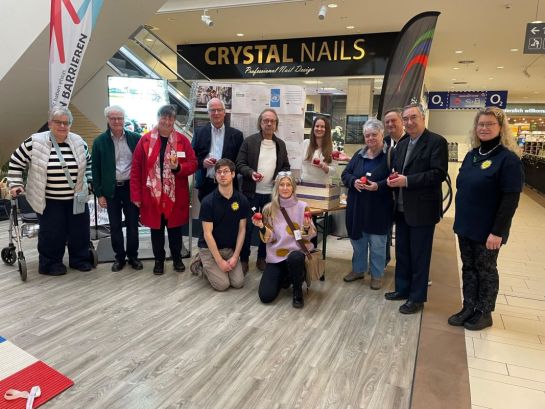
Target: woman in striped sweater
51,193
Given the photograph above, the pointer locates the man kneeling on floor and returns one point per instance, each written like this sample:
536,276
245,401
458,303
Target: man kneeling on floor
223,215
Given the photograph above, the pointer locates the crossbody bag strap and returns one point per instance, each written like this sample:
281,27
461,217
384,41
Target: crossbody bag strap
62,162
292,227
389,159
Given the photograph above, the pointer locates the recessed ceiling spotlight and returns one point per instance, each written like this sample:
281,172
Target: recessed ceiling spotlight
536,22
455,68
453,79
332,5
459,51
490,78
500,67
514,50
149,39
312,82
240,34
350,27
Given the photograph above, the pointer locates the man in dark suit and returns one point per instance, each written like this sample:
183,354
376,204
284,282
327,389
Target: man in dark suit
212,142
422,163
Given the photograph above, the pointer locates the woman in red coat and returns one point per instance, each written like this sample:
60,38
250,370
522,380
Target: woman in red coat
162,161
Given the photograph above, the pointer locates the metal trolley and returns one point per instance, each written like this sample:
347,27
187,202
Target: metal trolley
23,222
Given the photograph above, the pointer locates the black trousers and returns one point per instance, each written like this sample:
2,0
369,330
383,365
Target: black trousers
413,257
121,202
281,275
479,275
174,241
258,201
206,188
60,227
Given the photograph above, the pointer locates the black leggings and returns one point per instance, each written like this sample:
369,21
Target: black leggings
280,275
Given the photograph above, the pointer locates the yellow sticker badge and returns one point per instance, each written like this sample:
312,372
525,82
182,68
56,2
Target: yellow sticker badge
486,164
235,206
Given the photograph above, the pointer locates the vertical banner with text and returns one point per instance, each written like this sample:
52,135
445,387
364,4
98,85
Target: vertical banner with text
70,28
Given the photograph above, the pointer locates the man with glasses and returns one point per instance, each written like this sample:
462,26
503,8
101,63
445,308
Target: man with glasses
212,142
112,160
422,163
223,216
261,157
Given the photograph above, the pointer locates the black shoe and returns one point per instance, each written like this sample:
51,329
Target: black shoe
411,307
84,267
118,265
178,265
159,268
298,301
395,296
478,321
53,272
136,264
461,317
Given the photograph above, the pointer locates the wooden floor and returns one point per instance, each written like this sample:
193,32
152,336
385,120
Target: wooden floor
134,340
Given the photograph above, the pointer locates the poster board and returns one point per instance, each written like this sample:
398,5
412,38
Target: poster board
244,103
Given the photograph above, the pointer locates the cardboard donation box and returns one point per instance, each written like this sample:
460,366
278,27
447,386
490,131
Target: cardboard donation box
320,196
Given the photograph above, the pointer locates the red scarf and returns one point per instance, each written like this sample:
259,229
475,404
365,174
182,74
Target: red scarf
163,194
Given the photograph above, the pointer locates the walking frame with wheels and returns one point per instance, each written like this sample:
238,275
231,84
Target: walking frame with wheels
23,222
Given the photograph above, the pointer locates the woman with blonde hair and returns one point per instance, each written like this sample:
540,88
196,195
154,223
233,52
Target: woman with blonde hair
488,186
285,261
318,165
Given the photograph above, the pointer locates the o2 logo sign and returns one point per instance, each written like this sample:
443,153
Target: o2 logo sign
496,99
438,100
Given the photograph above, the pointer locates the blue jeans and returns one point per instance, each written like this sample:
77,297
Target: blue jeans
372,246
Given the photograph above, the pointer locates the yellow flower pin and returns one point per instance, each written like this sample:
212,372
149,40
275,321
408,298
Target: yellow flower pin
486,164
235,206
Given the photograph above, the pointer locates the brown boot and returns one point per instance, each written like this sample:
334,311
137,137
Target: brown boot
261,264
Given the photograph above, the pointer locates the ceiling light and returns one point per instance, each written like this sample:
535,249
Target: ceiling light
312,82
514,50
332,5
350,27
206,19
453,79
459,51
455,68
500,67
536,22
322,12
490,78
240,34
149,39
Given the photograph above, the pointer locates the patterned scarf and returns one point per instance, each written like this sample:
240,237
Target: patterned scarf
164,193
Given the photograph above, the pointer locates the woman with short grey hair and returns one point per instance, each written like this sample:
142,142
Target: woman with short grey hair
369,207
57,193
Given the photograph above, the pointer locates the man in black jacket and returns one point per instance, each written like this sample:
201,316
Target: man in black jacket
422,163
261,157
212,142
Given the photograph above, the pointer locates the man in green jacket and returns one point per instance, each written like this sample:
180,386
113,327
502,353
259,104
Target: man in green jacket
112,159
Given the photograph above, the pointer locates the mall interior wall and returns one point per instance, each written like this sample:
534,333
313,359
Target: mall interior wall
24,85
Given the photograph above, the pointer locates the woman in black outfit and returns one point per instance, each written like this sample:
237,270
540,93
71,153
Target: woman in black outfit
488,191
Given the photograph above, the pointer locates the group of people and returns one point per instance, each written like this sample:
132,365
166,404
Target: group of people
245,184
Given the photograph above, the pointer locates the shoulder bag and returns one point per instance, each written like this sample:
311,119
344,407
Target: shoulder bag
314,262
80,198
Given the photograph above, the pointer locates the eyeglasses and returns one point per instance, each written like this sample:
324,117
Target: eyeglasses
223,172
216,110
284,173
268,121
60,123
487,124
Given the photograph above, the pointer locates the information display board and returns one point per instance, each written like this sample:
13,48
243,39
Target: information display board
244,103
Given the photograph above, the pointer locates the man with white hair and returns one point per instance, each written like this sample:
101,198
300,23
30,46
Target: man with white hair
112,159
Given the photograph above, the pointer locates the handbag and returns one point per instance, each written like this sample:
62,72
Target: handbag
80,198
314,261
4,190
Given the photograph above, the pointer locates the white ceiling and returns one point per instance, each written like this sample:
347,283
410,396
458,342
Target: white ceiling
485,30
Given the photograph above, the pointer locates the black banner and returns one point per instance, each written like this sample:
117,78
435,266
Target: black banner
405,75
365,54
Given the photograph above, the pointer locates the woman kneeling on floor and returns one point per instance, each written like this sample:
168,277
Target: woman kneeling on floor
285,259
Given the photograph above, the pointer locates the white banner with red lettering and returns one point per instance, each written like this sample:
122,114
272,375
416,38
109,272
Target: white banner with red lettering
70,28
